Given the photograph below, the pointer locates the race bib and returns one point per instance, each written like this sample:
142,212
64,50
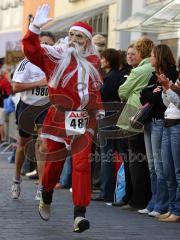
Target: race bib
40,91
76,122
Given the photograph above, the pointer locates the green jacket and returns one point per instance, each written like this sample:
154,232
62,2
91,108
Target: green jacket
130,92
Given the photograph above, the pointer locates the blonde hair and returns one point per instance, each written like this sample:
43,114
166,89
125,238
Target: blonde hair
131,45
144,46
99,39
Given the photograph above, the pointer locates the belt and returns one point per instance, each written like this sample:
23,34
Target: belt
171,122
158,118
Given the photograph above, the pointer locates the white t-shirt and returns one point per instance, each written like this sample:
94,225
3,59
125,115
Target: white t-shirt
26,72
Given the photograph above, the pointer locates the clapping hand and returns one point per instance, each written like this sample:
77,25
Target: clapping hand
41,16
164,81
157,89
175,87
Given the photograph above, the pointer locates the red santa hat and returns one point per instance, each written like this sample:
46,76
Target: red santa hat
84,28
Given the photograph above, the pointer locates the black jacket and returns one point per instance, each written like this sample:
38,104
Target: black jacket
112,81
147,94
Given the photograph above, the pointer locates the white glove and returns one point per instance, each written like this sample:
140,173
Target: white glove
40,19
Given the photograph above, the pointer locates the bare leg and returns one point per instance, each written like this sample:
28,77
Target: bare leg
19,160
40,149
20,155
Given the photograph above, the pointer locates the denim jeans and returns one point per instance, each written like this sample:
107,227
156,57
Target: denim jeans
107,177
65,178
171,164
153,132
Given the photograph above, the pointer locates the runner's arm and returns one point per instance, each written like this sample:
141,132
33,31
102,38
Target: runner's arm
21,87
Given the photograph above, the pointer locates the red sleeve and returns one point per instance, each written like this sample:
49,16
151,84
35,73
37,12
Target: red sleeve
33,50
5,86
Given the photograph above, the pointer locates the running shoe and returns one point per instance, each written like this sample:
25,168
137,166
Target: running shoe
44,210
154,214
81,224
144,211
15,190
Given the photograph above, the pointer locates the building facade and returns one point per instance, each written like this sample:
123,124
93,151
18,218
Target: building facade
159,20
11,18
101,14
121,21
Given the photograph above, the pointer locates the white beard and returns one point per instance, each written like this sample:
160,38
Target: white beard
78,48
61,54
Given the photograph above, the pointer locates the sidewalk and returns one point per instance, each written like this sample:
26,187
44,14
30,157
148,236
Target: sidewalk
19,219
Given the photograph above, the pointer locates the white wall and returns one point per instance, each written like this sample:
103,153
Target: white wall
137,6
11,21
8,37
124,11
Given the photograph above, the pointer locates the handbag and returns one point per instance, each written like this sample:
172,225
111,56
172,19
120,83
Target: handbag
137,121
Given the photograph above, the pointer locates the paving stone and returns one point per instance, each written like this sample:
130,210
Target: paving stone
19,219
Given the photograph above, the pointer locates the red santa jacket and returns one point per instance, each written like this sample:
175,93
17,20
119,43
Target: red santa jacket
62,98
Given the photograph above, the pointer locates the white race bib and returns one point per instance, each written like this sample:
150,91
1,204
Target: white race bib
76,122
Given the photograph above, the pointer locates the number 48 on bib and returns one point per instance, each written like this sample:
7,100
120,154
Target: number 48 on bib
76,122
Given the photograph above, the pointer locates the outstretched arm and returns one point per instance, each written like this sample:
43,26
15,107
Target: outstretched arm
31,45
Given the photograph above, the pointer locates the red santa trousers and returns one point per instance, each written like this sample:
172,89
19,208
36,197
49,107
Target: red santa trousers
81,167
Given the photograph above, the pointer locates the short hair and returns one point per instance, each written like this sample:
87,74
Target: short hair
164,58
131,45
112,56
48,34
144,46
99,40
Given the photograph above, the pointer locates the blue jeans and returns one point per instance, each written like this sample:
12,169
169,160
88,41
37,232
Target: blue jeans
153,132
171,164
107,178
65,178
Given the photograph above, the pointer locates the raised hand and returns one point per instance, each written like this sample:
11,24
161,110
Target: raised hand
164,81
157,89
41,16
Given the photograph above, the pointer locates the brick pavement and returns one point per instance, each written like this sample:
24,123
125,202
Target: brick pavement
19,219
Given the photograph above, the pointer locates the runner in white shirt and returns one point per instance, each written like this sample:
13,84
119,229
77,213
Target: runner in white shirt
31,110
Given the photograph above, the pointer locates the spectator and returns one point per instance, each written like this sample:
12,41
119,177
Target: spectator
132,61
5,90
111,60
130,92
99,42
163,61
171,150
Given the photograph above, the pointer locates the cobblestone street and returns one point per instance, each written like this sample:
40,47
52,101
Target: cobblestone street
19,219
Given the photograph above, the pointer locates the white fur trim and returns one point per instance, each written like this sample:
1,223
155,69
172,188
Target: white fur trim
56,139
34,29
61,55
83,30
90,130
